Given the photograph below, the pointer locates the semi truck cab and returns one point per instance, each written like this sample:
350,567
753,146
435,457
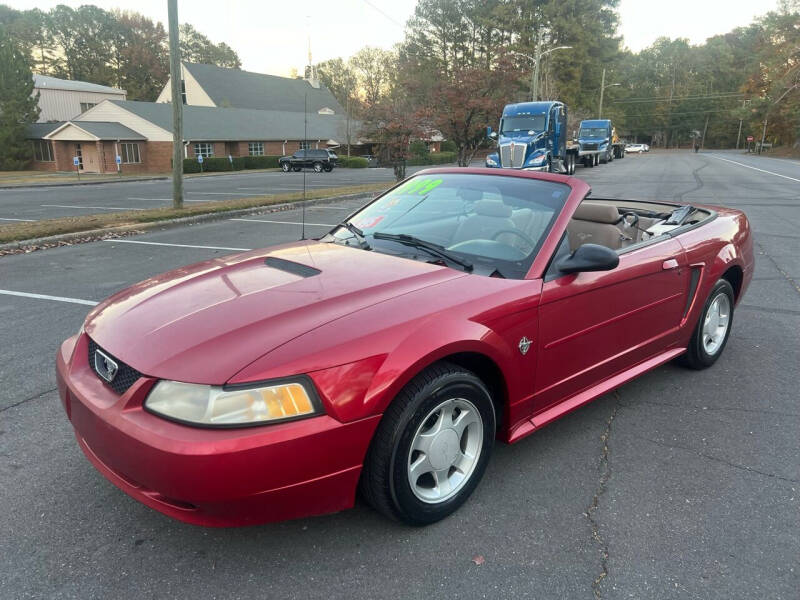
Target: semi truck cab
532,136
599,135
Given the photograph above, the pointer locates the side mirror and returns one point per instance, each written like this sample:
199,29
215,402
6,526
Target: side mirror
589,257
493,135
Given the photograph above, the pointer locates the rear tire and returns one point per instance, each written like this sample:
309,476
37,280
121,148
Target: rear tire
431,447
712,330
286,167
317,167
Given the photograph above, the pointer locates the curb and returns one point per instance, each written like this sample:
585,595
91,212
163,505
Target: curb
97,234
74,183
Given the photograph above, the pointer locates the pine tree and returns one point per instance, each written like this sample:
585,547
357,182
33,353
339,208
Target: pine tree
18,106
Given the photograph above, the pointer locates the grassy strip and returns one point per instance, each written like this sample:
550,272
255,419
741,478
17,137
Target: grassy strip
25,231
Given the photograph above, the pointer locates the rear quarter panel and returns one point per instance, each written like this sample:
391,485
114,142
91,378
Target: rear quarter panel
713,248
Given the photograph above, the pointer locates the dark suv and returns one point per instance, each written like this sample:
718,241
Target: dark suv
319,160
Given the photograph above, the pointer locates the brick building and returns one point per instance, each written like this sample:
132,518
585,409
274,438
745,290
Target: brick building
226,112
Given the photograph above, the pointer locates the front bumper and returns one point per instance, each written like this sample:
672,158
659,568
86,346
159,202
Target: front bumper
213,477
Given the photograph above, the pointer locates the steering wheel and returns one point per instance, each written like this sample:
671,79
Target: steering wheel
517,233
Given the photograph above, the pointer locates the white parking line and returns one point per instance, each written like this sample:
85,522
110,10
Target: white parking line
46,297
119,241
221,193
283,222
92,207
25,220
754,168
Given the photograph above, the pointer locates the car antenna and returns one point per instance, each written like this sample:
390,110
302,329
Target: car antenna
305,146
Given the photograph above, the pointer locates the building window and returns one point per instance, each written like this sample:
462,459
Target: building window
183,91
130,153
204,149
43,151
305,145
87,105
255,148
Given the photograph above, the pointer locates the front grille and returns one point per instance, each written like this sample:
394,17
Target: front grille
512,155
126,375
589,146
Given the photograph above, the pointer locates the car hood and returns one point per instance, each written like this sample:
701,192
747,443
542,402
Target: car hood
205,322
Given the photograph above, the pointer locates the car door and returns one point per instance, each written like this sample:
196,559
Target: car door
594,325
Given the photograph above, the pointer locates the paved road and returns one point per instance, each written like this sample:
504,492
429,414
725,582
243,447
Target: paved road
36,203
694,475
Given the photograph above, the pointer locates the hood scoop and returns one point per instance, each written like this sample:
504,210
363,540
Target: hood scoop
288,266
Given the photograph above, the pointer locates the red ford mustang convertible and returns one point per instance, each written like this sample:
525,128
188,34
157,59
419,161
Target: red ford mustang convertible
460,307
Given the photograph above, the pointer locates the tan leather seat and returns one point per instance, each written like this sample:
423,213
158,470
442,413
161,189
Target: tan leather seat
595,224
490,217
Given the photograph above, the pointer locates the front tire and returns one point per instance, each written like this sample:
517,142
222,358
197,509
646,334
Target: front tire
713,328
431,447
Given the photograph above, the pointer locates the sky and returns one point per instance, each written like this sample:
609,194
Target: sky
272,37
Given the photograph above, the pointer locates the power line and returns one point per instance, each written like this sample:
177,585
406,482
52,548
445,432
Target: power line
392,19
725,96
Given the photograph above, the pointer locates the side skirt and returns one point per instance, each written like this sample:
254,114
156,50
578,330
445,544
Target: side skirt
567,406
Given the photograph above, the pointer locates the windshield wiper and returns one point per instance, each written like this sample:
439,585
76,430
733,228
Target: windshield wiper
430,247
357,233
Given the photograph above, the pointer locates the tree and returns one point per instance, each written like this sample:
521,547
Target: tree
339,78
140,62
464,104
18,106
371,67
197,48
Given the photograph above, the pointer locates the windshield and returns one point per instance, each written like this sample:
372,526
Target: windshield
494,223
593,132
523,123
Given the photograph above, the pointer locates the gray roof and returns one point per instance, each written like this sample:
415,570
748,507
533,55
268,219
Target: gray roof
36,131
108,131
47,82
242,89
212,124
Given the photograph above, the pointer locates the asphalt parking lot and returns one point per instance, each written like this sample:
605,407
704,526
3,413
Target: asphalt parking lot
680,484
48,202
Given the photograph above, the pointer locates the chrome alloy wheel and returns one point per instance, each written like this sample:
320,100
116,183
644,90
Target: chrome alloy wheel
445,450
717,321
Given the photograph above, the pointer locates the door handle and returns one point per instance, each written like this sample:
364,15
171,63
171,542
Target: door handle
670,264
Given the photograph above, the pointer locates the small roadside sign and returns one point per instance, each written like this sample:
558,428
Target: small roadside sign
200,158
119,159
76,161
749,138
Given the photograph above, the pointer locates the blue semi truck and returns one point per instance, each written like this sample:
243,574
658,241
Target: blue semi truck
533,136
598,135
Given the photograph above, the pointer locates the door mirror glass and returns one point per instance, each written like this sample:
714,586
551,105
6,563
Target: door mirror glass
493,135
589,257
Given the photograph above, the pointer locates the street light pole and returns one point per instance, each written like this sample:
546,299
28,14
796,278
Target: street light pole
535,75
536,60
603,87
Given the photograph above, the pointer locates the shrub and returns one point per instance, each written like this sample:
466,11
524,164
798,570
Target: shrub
449,146
435,158
190,165
418,149
354,162
261,162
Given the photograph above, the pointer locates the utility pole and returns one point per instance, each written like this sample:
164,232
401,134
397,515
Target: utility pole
535,74
739,135
602,90
177,106
703,140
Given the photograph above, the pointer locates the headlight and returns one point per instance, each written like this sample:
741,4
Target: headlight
213,406
538,160
490,162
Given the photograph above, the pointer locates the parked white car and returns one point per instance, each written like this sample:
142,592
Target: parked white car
638,148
